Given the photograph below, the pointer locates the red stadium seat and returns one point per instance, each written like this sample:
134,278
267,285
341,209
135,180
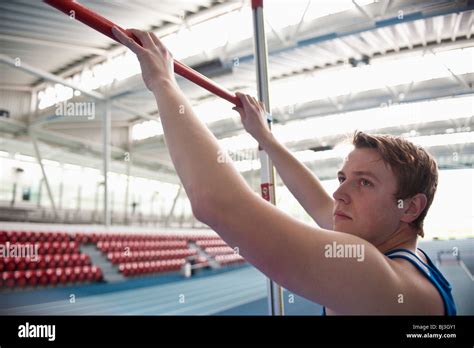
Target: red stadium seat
64,246
20,264
49,260
97,273
125,269
41,264
22,237
56,246
50,237
12,237
67,260
34,237
75,259
30,264
31,278
47,247
8,279
58,259
3,237
87,273
20,279
10,264
85,260
61,274
70,274
52,277
80,276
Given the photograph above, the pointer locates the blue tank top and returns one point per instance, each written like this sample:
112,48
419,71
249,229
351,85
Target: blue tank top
429,271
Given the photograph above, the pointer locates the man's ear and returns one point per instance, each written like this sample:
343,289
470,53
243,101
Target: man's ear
413,207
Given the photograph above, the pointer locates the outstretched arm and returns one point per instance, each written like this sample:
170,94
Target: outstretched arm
286,250
193,148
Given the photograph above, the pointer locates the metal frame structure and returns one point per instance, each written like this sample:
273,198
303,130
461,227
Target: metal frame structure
381,31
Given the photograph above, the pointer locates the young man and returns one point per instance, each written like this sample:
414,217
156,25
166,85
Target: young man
386,187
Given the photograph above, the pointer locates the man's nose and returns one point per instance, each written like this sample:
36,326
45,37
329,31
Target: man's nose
341,194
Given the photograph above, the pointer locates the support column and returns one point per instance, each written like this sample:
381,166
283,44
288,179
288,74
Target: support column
168,218
46,181
275,294
128,160
106,128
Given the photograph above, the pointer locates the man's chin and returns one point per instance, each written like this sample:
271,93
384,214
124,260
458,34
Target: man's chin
345,226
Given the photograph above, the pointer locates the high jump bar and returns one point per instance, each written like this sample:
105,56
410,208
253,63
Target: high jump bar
104,26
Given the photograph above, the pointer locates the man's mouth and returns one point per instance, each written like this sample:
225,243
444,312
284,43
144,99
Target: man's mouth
339,215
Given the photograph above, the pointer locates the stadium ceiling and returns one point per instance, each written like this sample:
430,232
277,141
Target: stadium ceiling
314,46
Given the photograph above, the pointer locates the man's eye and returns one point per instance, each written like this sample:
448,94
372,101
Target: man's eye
365,182
341,179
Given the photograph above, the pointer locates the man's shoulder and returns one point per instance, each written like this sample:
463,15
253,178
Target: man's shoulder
416,287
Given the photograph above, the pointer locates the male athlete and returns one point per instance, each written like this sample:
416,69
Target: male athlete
387,185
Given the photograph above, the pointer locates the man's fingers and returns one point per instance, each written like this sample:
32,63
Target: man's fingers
239,110
127,41
158,42
247,101
253,101
243,98
144,37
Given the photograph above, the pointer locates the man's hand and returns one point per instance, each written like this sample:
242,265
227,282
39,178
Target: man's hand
155,60
252,114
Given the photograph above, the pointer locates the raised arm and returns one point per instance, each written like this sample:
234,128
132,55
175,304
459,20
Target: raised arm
193,148
288,251
302,183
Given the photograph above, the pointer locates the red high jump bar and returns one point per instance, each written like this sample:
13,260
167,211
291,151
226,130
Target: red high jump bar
103,25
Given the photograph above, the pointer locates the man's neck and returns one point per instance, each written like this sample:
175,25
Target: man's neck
405,238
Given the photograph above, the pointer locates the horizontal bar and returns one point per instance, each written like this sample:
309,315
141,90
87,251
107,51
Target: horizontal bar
104,26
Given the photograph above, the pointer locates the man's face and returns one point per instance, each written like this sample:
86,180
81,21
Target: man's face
366,194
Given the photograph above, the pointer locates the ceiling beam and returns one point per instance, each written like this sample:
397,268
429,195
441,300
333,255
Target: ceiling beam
16,88
54,78
57,44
